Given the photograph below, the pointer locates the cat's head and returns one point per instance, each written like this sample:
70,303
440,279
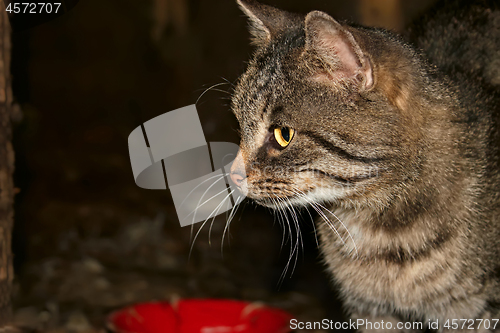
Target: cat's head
326,111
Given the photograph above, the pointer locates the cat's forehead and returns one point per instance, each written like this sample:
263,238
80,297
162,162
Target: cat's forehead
266,79
257,88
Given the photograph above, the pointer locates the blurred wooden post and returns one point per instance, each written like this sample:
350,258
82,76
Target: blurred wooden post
6,172
385,14
167,12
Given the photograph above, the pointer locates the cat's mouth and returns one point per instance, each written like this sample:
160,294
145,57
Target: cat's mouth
302,199
314,186
272,202
304,186
274,196
263,196
280,195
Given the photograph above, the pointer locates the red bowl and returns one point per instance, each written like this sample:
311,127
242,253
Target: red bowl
200,316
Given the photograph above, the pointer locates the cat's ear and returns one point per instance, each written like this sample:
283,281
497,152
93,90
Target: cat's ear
337,48
266,22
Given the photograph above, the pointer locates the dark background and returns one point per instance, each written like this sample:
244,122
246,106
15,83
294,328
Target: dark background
87,240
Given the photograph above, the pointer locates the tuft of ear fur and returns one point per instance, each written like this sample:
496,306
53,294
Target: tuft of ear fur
266,22
337,48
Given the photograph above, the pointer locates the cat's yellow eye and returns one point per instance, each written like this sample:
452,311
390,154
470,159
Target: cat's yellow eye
283,135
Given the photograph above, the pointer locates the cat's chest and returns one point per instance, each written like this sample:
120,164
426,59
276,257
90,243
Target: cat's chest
382,268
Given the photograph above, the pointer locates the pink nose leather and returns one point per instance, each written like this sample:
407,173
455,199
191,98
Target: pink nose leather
237,179
238,170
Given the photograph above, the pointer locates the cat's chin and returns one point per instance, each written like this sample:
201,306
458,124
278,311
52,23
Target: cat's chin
266,202
304,199
277,202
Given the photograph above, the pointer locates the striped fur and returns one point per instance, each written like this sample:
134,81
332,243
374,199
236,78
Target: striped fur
400,145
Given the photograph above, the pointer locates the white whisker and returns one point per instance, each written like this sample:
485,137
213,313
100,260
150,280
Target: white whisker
208,89
318,206
350,236
198,205
204,222
228,222
203,182
215,215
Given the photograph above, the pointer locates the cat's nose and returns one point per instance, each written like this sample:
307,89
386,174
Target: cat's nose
237,173
237,178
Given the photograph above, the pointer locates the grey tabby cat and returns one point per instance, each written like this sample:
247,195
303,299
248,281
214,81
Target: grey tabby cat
397,149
